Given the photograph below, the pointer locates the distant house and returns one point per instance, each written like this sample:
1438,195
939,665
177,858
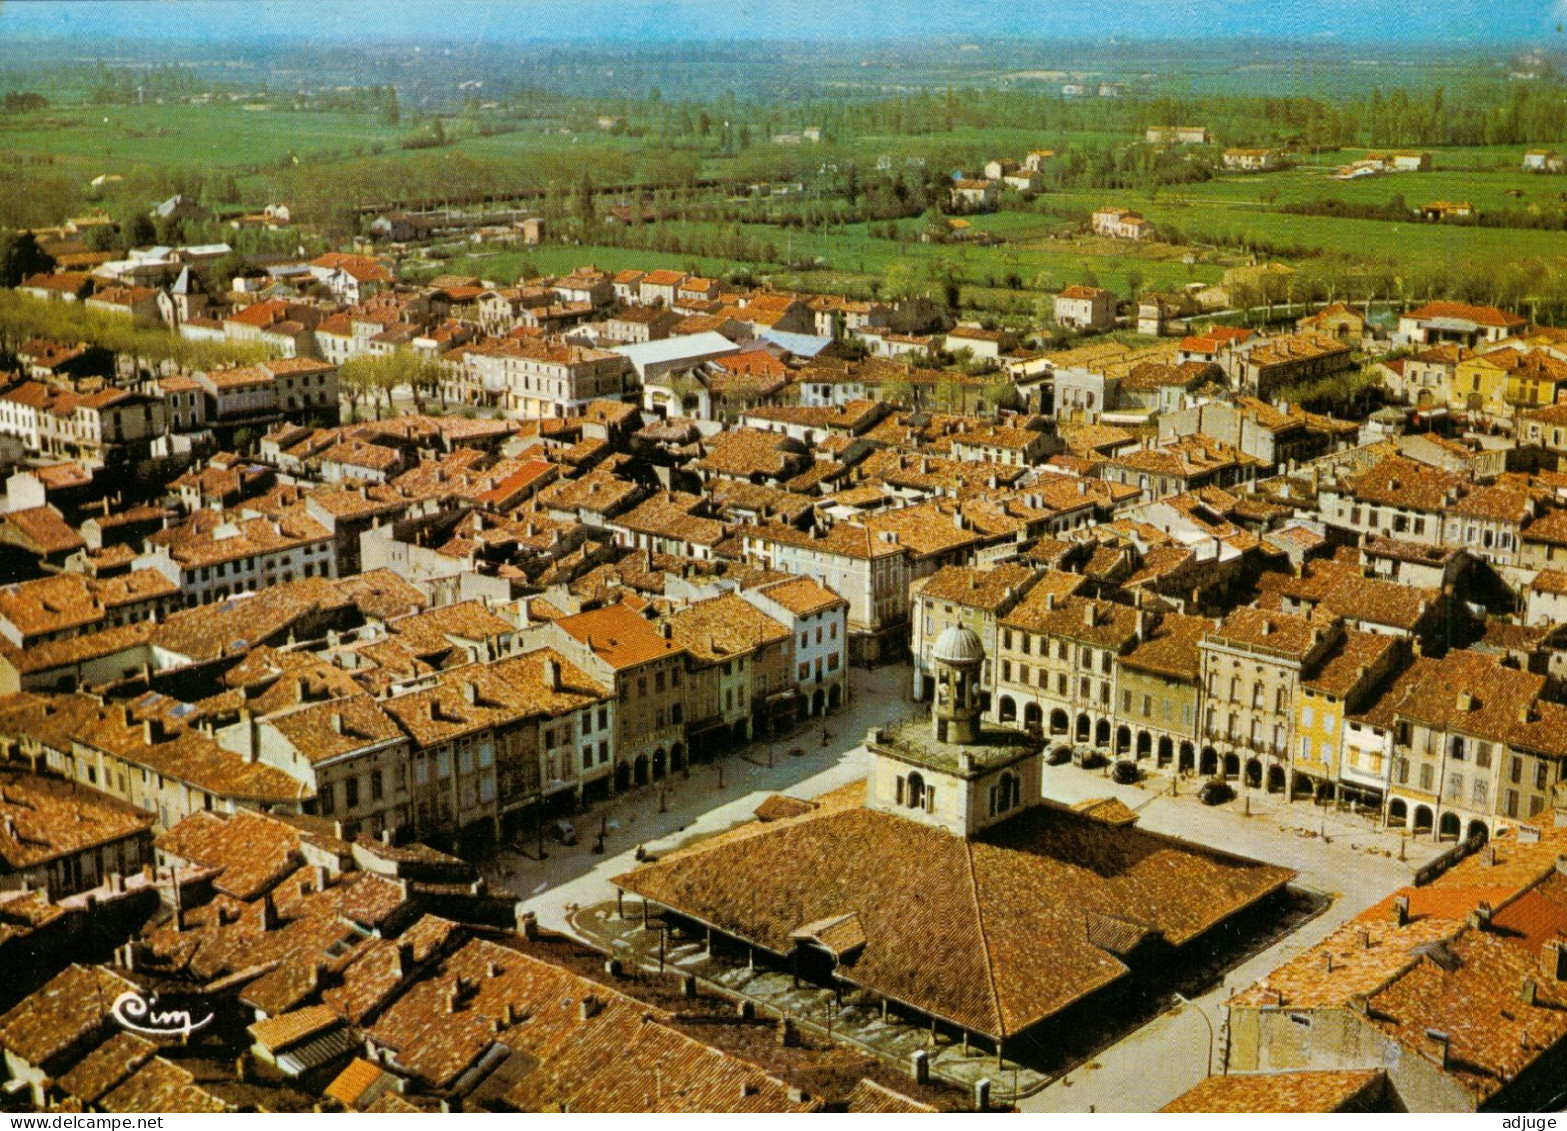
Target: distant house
1253,160
399,227
1155,312
351,278
661,287
1543,161
1437,210
60,286
127,302
1411,161
982,343
1085,308
998,168
1036,159
1177,135
1121,224
179,207
1436,323
974,196
1338,320
1024,180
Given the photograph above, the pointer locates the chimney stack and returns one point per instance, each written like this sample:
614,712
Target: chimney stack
527,924
982,1094
1480,917
268,913
1527,993
405,960
1553,960
1401,910
1438,1043
588,1008
552,673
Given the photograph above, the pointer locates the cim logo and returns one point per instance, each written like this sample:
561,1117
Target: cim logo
137,1014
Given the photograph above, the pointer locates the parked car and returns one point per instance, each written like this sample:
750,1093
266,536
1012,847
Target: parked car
1087,757
1059,756
563,831
1126,772
1216,791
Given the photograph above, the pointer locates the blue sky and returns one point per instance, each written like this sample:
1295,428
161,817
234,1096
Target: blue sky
1352,21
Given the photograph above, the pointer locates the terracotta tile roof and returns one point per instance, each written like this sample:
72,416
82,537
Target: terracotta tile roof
70,1007
159,1086
376,973
745,452
803,596
1365,955
361,267
253,852
1170,646
1451,902
1476,694
321,732
282,1032
722,627
1283,1092
1536,916
1473,997
619,636
869,1097
350,1084
598,492
106,1067
1344,670
1285,635
1104,624
978,588
43,818
1480,315
612,1054
944,930
778,806
432,631
670,514
42,530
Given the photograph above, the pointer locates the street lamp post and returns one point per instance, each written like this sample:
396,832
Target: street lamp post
1206,1021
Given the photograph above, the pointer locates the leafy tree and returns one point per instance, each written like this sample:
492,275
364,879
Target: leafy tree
20,256
137,230
898,391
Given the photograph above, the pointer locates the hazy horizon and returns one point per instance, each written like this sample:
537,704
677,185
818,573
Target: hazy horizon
1361,23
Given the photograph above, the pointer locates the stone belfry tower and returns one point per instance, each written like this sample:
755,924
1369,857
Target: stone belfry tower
957,657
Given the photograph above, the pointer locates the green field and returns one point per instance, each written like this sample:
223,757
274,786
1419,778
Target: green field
311,156
113,139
